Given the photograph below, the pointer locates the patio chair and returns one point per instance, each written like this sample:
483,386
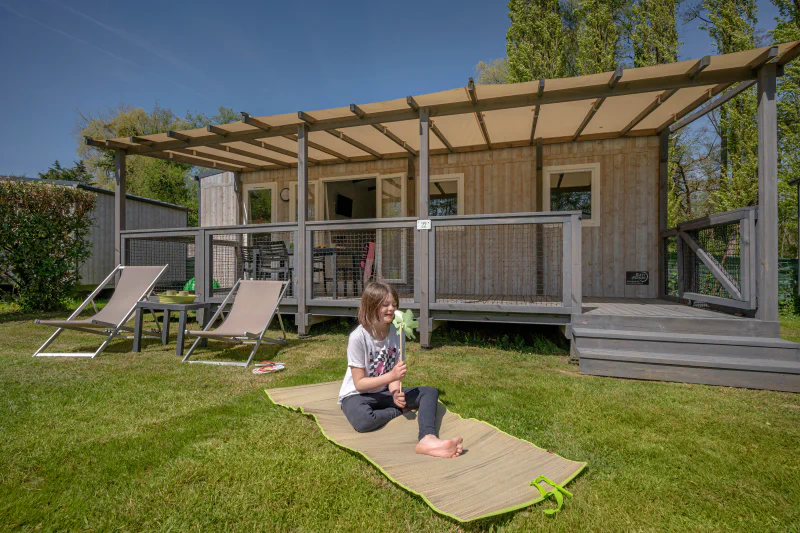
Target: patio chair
135,284
255,304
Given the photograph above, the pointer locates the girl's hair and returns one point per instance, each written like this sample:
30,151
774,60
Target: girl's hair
374,295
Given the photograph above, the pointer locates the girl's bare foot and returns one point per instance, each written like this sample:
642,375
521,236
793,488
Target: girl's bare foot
432,445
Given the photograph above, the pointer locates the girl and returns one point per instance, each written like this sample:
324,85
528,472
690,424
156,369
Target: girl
371,394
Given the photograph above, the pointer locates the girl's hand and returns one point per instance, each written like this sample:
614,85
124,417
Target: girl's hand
399,398
399,371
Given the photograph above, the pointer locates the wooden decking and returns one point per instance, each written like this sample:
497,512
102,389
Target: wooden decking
647,307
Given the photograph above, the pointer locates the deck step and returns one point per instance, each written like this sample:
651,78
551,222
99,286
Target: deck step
722,325
747,372
685,343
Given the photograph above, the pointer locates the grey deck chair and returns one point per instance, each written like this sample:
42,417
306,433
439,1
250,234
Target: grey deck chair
255,304
135,284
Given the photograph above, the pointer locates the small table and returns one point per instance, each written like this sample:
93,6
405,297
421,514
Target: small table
167,309
335,252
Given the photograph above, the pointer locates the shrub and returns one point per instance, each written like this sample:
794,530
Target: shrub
43,241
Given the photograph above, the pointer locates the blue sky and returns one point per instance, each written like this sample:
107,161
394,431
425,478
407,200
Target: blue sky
264,57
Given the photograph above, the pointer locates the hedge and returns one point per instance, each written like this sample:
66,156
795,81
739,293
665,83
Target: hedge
43,241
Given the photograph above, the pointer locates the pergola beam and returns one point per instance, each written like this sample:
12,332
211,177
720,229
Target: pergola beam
412,104
766,56
305,117
252,155
352,142
116,145
652,106
567,94
473,97
214,157
217,131
256,123
441,137
535,122
703,111
706,96
278,150
615,77
789,54
394,138
141,140
196,161
595,106
321,148
357,111
179,136
699,67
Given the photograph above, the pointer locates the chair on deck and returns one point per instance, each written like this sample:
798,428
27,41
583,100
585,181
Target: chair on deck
135,284
255,304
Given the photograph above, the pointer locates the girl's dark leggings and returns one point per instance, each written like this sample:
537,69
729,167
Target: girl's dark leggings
371,411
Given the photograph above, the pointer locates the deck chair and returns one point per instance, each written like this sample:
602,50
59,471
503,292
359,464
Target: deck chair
255,304
135,284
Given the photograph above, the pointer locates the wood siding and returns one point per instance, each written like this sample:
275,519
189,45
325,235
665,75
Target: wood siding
504,181
138,215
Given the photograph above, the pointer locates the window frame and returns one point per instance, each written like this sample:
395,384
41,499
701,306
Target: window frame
458,178
594,168
293,199
247,187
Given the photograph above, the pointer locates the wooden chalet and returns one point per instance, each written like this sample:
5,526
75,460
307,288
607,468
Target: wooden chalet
532,203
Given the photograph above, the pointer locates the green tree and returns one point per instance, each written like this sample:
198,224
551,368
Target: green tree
788,29
653,32
536,41
78,173
495,71
598,35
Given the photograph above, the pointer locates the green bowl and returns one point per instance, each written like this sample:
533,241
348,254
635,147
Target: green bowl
164,299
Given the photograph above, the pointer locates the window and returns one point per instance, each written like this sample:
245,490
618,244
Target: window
260,203
446,195
573,188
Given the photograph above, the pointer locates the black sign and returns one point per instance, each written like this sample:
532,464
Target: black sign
637,278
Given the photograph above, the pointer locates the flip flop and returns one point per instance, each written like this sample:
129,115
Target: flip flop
268,367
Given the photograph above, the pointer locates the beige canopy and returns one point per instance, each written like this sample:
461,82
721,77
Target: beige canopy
630,102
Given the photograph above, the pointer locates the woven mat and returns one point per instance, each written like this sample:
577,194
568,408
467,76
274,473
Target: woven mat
493,476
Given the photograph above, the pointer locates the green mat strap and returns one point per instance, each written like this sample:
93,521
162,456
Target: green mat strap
558,493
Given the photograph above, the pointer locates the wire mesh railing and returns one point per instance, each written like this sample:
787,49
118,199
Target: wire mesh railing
175,251
712,260
267,255
345,257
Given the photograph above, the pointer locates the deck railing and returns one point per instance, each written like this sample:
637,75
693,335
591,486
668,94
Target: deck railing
518,263
713,259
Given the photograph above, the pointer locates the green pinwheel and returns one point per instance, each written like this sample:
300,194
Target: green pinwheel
405,322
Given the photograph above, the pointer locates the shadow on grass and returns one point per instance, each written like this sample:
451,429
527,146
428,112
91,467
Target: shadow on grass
538,339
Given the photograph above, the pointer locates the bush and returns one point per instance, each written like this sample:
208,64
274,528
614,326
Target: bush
43,241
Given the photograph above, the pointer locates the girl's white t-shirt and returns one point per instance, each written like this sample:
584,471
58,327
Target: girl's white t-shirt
376,357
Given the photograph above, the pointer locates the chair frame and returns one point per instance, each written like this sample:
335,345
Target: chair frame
110,332
251,338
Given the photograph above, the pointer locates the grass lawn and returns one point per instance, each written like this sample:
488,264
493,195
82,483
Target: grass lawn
138,442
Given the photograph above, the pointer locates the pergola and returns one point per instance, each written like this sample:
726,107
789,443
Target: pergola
647,101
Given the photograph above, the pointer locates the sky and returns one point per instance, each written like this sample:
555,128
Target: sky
63,57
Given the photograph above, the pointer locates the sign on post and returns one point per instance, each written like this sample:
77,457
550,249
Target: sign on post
424,224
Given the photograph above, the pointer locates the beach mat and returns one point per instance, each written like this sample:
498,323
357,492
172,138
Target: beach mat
492,477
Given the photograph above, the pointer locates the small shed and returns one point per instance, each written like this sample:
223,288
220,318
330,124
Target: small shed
140,213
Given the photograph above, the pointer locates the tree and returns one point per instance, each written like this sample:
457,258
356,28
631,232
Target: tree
536,40
78,173
598,35
788,29
167,181
495,71
653,31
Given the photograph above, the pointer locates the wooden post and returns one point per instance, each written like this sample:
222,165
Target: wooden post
302,254
576,226
423,212
119,205
767,224
663,187
538,192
